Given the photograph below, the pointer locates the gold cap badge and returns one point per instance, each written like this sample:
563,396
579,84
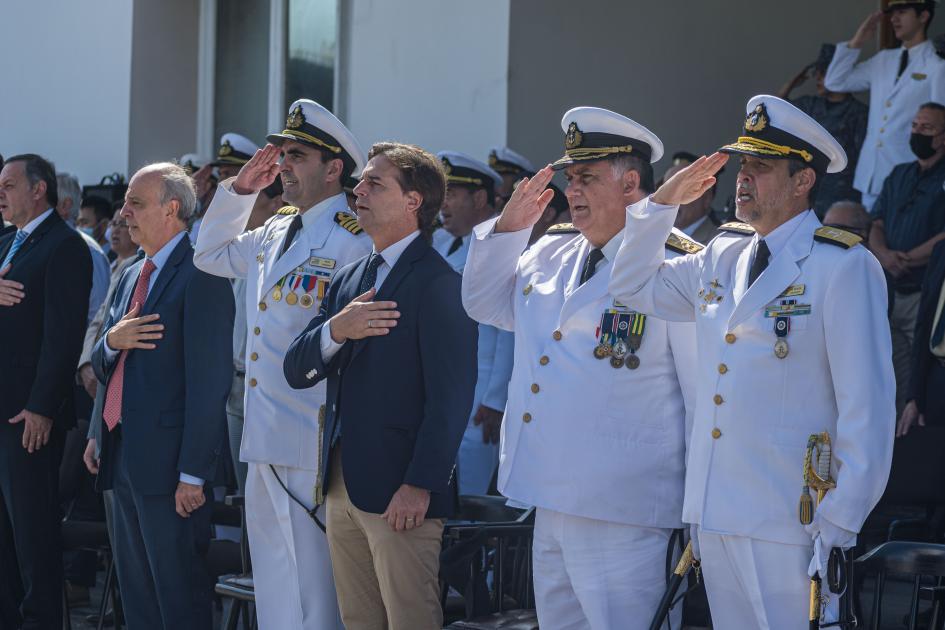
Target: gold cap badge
574,137
757,120
225,149
296,118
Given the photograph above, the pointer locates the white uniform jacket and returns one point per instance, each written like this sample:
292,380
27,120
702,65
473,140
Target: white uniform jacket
282,425
754,411
893,103
580,436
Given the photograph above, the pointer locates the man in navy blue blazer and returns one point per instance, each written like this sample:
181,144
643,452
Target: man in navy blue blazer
165,361
399,353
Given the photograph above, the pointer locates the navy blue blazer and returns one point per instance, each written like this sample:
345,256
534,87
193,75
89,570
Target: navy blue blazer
174,398
403,399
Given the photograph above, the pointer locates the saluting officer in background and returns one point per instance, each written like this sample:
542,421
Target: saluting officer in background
793,340
471,191
288,263
594,432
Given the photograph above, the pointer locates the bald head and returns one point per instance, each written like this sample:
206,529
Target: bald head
849,215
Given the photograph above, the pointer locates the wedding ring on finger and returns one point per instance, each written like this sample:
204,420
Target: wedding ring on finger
370,323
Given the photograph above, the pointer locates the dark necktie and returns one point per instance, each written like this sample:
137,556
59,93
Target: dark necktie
590,265
370,274
457,243
294,228
903,62
760,263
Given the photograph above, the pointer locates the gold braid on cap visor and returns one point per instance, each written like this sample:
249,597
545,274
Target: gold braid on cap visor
596,151
456,179
748,143
313,139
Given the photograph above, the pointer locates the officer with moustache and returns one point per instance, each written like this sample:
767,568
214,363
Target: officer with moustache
595,425
793,341
288,264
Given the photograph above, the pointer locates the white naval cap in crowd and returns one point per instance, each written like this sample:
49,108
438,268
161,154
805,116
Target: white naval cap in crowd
464,170
776,129
505,161
310,123
235,149
594,133
192,162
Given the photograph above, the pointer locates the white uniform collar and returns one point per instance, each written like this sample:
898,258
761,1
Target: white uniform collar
310,216
610,249
780,236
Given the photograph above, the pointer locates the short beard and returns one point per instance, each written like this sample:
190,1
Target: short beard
776,204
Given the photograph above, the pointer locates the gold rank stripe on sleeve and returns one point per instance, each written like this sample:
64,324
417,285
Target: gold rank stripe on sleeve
737,228
287,210
348,222
562,228
836,236
683,245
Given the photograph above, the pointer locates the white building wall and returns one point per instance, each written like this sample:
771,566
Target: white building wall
428,72
65,76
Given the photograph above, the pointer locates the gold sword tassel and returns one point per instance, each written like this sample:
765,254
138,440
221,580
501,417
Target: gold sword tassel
816,476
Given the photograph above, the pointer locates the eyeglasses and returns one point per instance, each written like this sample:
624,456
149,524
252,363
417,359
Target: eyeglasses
119,224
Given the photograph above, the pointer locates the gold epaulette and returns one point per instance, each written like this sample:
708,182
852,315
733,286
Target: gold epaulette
562,228
287,210
836,236
348,222
737,228
682,244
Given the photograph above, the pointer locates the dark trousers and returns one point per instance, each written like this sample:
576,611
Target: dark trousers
80,501
161,558
30,548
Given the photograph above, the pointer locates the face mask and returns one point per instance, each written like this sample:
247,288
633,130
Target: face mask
87,231
108,233
921,145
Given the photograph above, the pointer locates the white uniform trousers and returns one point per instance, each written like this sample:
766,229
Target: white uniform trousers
755,584
291,564
598,575
476,462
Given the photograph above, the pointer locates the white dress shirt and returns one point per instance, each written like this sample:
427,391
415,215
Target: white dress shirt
390,255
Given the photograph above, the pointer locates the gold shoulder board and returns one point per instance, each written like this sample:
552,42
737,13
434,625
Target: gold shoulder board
562,228
836,236
737,228
348,222
683,245
287,210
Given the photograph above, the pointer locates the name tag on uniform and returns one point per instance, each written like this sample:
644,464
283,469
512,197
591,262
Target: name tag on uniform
793,290
787,310
315,261
918,76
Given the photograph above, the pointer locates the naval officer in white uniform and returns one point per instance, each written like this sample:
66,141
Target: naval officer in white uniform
471,192
288,264
594,432
793,340
899,80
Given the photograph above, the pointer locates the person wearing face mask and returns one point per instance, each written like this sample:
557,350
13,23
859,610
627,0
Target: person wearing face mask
907,223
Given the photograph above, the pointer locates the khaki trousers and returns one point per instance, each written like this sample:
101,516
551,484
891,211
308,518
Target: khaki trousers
385,580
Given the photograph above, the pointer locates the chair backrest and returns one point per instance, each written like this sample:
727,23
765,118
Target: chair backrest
917,559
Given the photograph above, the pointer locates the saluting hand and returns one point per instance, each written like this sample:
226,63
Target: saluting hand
691,182
261,170
527,203
133,332
35,430
11,291
867,30
363,318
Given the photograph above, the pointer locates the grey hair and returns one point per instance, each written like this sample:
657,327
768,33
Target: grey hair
861,219
176,184
622,163
69,188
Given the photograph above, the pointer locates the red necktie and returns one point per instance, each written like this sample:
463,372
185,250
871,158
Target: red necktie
111,410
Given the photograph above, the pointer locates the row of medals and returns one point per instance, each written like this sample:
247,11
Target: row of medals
621,353
305,301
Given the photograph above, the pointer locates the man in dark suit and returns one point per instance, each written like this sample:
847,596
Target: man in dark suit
45,278
165,361
399,353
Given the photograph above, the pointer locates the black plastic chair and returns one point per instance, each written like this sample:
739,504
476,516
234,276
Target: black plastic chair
923,561
489,538
93,536
239,587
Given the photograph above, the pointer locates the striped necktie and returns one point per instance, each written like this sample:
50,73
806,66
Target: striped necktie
18,241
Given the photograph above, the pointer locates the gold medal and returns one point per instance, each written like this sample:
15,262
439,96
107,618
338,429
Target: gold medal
780,348
602,351
633,361
277,294
616,362
291,299
306,301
